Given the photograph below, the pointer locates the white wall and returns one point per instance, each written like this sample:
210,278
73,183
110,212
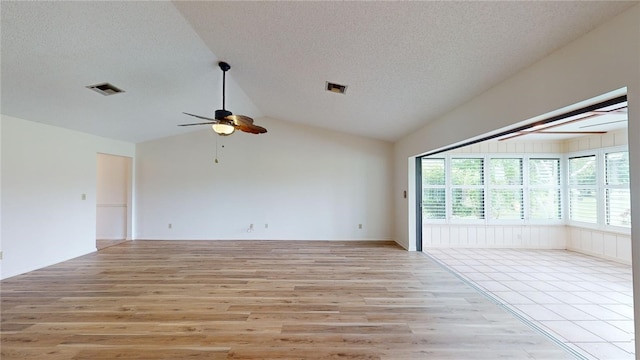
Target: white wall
594,142
512,147
45,171
305,183
1,252
603,60
113,196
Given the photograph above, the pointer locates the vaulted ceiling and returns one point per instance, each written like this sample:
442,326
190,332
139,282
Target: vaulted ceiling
405,63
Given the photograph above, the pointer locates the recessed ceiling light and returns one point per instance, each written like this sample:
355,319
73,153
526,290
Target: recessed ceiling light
105,89
336,88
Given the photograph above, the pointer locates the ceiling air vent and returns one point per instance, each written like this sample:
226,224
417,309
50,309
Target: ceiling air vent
105,89
336,88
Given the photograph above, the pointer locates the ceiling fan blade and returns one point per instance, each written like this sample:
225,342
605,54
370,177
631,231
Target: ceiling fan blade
253,129
258,129
200,117
240,119
245,123
207,123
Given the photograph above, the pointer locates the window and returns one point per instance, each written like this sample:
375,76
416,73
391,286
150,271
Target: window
433,189
516,189
617,198
506,190
544,189
467,188
583,199
598,191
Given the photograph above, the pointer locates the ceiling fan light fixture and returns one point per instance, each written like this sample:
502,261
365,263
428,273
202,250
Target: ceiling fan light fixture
223,128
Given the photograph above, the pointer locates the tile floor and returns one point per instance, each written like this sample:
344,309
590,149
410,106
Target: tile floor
582,301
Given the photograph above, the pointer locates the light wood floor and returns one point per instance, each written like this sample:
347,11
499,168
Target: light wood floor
257,300
103,244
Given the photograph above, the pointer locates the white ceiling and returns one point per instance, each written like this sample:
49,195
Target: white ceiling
405,63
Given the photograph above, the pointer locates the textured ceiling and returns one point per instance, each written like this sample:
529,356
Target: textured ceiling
52,50
405,63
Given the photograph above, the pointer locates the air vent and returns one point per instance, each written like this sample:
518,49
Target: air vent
336,88
105,89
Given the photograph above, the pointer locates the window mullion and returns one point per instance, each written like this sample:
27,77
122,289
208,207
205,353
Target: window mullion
601,193
448,195
525,189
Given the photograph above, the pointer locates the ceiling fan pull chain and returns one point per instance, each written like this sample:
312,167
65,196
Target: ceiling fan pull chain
216,161
221,146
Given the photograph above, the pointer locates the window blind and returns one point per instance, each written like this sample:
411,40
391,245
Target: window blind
506,188
544,189
467,188
433,189
583,194
618,197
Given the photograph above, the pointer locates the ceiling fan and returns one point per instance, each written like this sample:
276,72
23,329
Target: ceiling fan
225,123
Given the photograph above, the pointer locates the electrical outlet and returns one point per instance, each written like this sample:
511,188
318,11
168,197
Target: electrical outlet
359,226
250,229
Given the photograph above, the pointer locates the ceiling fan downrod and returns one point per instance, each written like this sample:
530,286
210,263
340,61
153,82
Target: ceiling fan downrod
221,114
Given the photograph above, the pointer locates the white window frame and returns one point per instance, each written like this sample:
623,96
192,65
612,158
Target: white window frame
601,187
611,187
560,187
487,189
596,187
451,187
444,187
490,188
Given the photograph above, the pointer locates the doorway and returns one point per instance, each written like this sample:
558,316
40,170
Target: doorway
538,219
113,200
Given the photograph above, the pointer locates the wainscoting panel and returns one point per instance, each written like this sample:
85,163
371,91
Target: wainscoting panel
494,236
603,244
